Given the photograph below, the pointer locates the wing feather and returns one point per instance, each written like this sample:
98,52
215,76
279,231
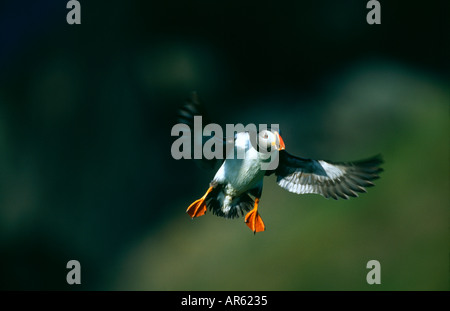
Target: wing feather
191,108
329,179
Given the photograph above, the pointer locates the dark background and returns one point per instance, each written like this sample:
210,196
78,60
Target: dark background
86,171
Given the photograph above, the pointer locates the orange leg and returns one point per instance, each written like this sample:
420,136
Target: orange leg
198,208
253,220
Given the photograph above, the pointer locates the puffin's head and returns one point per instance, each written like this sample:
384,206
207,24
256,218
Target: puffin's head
270,140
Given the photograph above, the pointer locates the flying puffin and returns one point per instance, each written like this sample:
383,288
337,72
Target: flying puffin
237,186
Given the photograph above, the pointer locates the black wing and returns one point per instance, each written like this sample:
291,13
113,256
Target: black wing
193,107
329,179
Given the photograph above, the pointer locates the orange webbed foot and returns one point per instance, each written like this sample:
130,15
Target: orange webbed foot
198,207
253,220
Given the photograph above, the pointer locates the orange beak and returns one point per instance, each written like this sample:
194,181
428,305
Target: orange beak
281,142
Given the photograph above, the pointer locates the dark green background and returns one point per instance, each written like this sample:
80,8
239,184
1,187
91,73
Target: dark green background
86,171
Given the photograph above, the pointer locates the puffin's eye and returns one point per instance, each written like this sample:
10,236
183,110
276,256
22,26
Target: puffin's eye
264,142
264,134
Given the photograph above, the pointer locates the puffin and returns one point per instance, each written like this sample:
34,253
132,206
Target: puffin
237,186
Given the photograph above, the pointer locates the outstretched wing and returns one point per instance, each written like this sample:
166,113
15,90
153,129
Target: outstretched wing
193,107
329,179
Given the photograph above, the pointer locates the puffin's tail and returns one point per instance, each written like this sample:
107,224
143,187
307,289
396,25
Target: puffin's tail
223,207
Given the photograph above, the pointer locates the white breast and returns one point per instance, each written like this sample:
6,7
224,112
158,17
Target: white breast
241,174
